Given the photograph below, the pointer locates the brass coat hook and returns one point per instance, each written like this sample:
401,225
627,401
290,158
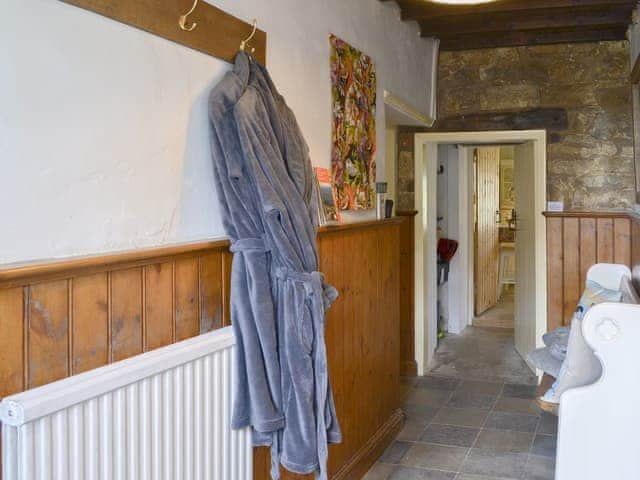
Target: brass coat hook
182,21
244,43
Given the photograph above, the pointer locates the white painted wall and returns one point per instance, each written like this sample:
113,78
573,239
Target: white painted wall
390,162
103,128
452,198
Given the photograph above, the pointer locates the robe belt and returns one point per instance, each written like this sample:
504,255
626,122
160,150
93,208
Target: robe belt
321,295
313,282
249,244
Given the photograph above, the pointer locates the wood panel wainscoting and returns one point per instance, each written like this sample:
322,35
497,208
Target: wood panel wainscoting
62,318
575,242
408,364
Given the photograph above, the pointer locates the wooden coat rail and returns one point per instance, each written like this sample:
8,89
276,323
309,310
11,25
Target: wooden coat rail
218,33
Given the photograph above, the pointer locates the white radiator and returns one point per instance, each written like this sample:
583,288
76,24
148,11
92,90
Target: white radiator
158,416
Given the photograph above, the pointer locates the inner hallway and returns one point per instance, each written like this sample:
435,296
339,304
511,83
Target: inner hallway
473,417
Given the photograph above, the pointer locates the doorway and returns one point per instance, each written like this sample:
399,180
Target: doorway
530,251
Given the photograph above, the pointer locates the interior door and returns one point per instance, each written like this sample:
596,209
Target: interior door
487,246
525,296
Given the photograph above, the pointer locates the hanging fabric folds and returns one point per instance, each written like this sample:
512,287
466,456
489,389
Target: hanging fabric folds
265,185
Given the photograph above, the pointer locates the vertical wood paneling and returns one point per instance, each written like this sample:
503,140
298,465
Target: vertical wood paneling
571,267
158,305
329,251
187,307
389,298
487,246
588,256
48,339
140,300
211,290
90,337
227,259
604,237
126,313
555,297
622,241
579,241
358,280
370,278
11,341
407,322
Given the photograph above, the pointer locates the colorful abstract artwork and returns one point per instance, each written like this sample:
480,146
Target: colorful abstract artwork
353,87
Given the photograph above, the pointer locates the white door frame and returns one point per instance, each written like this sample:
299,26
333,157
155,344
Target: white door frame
426,167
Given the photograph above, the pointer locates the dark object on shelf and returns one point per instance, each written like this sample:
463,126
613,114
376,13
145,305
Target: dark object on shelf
388,209
447,248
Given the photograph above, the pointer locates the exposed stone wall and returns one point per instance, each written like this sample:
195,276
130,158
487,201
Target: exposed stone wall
590,156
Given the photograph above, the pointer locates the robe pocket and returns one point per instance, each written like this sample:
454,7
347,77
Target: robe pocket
304,327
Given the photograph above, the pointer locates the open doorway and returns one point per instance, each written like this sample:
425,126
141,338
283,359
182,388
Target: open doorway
456,187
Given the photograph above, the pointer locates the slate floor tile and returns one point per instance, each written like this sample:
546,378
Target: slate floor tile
497,464
394,452
517,405
438,383
511,421
520,391
504,441
422,413
450,435
379,471
438,457
548,424
412,430
464,417
408,473
428,397
471,400
476,386
544,445
468,476
540,468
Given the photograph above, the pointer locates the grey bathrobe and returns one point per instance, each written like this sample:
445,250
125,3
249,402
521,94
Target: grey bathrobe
278,298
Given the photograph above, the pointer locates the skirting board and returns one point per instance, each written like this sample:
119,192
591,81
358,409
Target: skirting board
364,458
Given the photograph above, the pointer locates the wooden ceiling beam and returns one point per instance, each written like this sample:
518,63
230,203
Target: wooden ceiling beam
582,17
422,9
531,37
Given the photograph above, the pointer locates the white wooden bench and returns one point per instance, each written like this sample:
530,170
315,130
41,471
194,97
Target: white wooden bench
599,424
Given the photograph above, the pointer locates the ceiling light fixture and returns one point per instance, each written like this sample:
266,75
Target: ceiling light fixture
462,2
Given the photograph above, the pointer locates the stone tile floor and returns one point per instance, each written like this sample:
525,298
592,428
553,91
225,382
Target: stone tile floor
470,430
482,354
500,315
480,422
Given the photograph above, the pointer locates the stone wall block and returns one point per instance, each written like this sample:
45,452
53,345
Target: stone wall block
509,97
590,163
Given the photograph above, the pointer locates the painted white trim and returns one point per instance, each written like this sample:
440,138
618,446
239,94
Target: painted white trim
400,112
461,277
425,169
426,292
433,100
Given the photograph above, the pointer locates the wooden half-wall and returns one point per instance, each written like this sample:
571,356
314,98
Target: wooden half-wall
408,365
575,242
62,318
